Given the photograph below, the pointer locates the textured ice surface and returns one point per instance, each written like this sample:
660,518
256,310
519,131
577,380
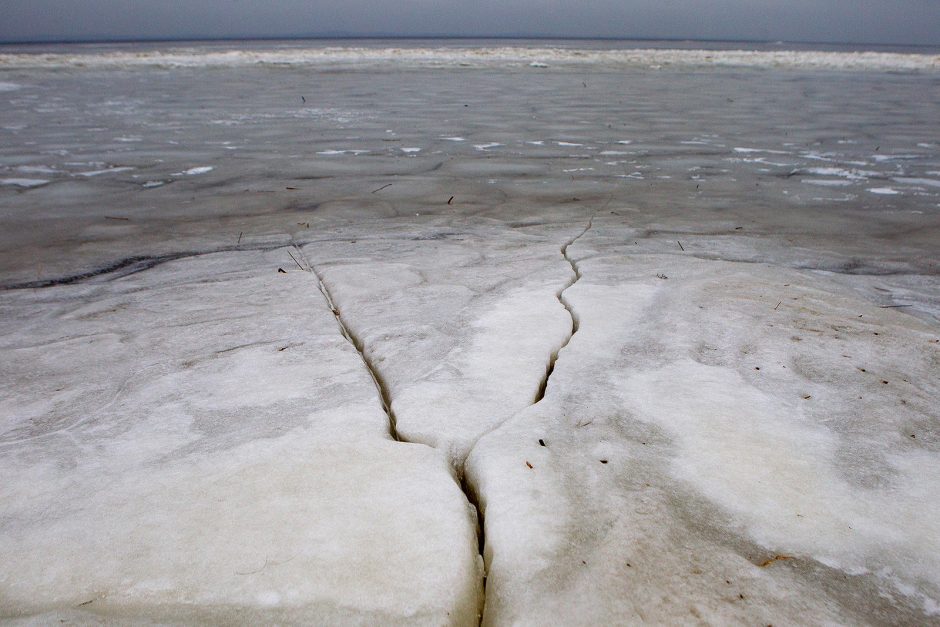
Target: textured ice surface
712,439
460,319
743,427
199,442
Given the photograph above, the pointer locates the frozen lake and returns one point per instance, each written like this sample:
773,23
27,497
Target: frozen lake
436,334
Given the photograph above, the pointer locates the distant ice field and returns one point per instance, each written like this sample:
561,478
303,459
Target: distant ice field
534,56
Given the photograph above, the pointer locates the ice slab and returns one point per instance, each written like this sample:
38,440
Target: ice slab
720,443
199,442
24,183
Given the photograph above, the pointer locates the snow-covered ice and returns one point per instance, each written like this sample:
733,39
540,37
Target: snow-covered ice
21,182
202,169
768,440
676,382
199,440
112,170
917,181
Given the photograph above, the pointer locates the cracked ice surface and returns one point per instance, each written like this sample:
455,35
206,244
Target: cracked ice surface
163,459
718,456
460,319
198,441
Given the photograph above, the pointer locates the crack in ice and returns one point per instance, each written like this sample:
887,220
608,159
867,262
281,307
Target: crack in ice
356,343
130,265
385,398
467,485
554,356
468,488
567,305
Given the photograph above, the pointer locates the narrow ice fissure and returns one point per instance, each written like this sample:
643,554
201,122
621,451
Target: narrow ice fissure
560,295
380,386
576,276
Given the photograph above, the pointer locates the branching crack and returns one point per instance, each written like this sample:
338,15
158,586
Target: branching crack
384,395
467,487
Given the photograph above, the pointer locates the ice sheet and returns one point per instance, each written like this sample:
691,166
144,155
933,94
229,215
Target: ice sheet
144,313
198,441
780,435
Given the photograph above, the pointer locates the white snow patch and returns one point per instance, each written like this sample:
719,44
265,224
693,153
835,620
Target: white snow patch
827,182
23,182
194,171
151,184
884,191
774,445
765,150
816,156
917,181
852,175
487,146
883,158
36,169
410,149
569,144
330,153
104,171
761,160
454,139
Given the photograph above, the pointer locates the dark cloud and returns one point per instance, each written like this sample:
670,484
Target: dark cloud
858,21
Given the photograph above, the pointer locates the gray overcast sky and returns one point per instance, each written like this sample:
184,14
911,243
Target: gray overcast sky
855,21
